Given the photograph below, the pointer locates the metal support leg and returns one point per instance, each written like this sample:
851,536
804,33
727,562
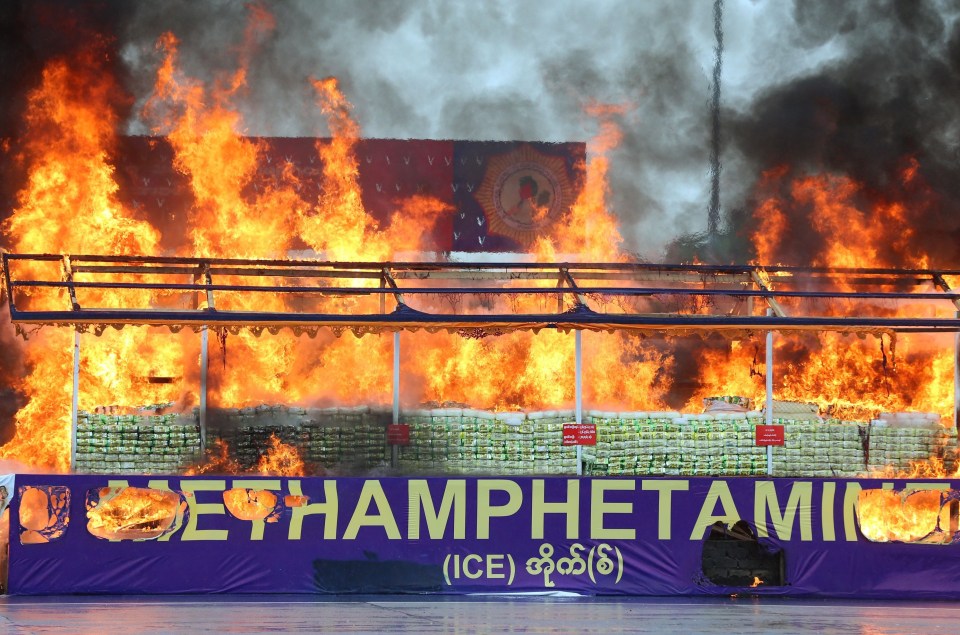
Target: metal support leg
204,365
394,450
769,393
578,340
75,401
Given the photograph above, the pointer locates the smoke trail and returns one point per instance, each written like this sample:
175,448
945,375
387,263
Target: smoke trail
713,216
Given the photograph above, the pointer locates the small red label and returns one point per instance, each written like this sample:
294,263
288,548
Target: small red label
770,435
398,434
579,434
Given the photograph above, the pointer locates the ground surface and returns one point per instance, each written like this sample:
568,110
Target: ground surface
393,614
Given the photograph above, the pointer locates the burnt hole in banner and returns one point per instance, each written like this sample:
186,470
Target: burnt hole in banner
734,557
44,513
252,504
133,513
291,501
910,515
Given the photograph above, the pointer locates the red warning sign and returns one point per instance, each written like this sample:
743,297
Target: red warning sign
398,434
579,434
770,435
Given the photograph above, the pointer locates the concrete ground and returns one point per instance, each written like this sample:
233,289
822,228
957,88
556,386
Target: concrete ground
482,614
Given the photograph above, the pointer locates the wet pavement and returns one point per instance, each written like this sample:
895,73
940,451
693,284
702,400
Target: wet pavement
484,614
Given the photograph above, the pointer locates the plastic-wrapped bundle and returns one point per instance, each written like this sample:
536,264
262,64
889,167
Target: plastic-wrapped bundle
726,403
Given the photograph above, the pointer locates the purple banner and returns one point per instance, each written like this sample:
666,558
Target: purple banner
636,536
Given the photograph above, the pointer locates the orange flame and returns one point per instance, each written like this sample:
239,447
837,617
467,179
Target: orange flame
280,459
128,513
216,461
887,515
70,205
848,377
589,231
249,504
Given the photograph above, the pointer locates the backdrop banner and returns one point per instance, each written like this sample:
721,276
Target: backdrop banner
497,196
630,536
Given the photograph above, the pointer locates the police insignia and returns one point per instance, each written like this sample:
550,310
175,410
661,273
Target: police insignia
523,192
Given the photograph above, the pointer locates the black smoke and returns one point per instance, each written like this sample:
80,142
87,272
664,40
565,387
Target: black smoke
890,96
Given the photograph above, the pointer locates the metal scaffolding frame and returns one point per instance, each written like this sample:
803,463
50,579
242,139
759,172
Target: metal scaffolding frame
576,286
860,299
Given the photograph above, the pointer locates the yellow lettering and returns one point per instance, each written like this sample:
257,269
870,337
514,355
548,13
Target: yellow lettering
328,508
569,508
826,511
191,532
454,498
372,492
850,498
495,563
801,499
466,561
599,508
666,489
719,491
486,511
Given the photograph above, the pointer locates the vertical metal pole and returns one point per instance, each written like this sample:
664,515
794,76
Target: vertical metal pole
578,342
956,380
394,450
75,401
769,392
204,365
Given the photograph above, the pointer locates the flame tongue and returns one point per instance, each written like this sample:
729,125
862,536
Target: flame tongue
69,204
280,459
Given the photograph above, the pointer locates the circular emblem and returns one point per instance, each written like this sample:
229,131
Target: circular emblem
522,193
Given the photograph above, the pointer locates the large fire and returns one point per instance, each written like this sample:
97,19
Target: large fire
70,204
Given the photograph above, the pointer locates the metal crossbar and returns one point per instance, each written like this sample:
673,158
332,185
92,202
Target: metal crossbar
855,298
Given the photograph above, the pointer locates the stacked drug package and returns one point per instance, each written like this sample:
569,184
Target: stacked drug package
468,441
667,443
898,439
821,448
343,439
139,441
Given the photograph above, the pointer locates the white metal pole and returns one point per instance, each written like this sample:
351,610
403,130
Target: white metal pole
204,365
956,380
394,450
769,392
75,401
578,343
